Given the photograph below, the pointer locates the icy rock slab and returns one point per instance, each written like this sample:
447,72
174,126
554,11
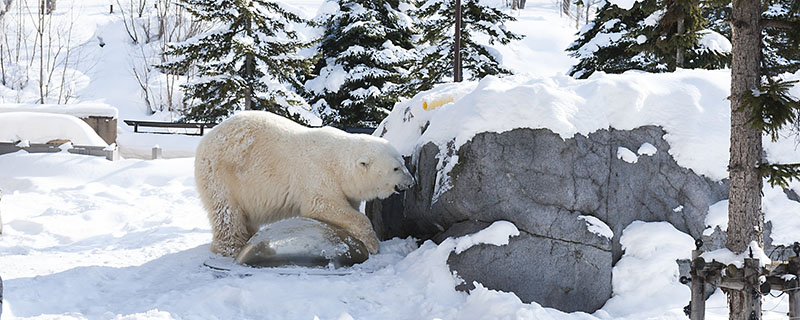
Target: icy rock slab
302,242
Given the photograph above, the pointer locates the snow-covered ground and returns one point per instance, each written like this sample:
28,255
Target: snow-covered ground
87,238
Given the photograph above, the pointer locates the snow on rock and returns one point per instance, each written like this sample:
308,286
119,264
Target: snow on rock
651,249
498,233
626,155
784,214
646,149
691,106
717,217
597,226
81,110
727,256
34,127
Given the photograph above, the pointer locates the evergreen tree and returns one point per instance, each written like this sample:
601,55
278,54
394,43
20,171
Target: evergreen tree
436,21
765,43
239,62
366,51
651,35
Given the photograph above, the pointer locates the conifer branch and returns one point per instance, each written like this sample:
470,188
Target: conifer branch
777,23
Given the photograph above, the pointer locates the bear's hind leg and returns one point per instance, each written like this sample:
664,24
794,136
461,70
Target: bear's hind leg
229,226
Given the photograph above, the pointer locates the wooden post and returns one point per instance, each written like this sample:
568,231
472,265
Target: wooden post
111,9
750,295
794,292
457,77
157,153
698,303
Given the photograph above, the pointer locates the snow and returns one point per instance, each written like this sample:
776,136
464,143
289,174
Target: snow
728,257
717,217
498,234
81,110
624,4
626,155
783,213
103,239
649,266
35,127
713,41
597,226
89,238
691,105
646,149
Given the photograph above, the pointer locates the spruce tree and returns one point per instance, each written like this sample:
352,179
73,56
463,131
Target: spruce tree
365,54
765,43
651,35
436,20
238,62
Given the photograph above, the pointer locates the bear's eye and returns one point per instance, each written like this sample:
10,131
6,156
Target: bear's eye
397,169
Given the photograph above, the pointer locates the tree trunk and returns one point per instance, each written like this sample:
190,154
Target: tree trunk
248,95
249,77
745,220
679,52
514,4
457,76
522,4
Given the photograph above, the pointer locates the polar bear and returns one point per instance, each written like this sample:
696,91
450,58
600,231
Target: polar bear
256,168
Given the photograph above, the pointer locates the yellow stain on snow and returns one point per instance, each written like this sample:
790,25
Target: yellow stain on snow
435,103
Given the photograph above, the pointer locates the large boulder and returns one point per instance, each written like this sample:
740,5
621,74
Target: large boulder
561,194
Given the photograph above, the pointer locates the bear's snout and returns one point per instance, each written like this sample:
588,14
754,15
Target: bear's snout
408,181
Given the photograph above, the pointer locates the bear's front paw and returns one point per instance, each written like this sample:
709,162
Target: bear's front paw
371,242
225,249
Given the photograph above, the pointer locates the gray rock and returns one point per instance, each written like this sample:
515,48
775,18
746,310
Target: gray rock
302,242
542,183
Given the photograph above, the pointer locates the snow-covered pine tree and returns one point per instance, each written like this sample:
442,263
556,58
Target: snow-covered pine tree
781,41
436,21
649,35
239,63
365,54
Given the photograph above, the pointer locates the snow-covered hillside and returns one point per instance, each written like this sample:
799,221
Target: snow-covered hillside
87,238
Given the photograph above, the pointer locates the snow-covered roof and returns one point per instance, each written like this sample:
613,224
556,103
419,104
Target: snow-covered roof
81,110
37,127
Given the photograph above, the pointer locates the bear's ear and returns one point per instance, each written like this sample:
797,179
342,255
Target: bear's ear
363,162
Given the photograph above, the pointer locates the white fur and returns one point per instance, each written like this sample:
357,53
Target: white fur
256,168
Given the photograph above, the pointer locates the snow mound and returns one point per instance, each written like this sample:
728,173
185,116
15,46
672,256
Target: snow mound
691,106
651,249
82,110
43,127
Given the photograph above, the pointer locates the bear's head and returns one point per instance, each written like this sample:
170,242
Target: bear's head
378,171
